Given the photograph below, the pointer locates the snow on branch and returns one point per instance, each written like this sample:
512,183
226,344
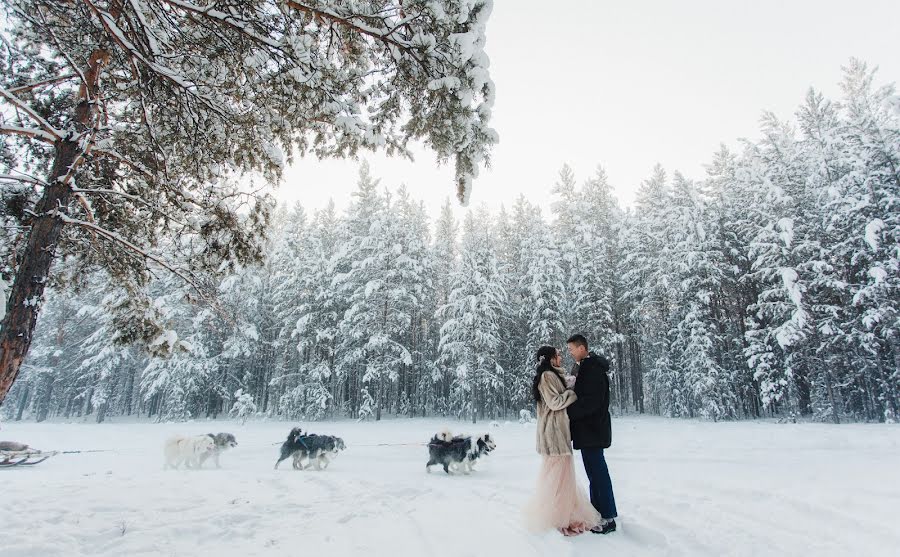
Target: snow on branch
22,179
227,19
43,83
166,73
46,128
122,159
347,22
27,132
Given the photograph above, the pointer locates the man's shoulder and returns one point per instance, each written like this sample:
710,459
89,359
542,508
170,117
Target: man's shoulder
595,361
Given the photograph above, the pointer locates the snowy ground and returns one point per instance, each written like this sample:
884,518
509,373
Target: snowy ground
682,487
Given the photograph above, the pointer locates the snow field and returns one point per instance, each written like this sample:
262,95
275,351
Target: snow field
682,488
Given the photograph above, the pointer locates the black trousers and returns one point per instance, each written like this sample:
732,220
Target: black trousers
601,485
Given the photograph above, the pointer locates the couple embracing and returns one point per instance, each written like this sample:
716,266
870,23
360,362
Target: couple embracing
572,410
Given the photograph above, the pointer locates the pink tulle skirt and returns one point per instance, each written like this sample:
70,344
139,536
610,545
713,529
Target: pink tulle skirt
559,502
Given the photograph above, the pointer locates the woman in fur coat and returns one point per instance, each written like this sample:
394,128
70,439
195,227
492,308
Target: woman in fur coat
558,502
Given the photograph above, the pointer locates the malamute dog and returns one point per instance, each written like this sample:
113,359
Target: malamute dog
290,446
180,450
223,442
457,453
316,450
320,450
484,444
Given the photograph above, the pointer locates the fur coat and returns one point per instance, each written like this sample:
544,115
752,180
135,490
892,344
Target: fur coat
553,435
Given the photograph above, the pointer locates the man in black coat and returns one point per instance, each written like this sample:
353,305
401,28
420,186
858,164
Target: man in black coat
589,422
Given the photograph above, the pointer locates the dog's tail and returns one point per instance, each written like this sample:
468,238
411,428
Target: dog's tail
443,436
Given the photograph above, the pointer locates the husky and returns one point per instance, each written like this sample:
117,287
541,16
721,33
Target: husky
310,450
319,451
180,450
222,442
290,446
457,453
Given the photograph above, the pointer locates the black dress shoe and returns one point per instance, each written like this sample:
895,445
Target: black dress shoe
605,527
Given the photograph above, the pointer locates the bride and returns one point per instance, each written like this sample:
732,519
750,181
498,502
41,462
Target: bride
558,502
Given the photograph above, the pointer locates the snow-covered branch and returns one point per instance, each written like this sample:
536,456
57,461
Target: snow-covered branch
19,104
31,133
43,83
22,179
383,35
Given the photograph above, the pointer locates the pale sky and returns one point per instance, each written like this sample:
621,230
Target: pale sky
630,84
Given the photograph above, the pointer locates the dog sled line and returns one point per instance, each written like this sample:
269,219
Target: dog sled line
19,454
455,453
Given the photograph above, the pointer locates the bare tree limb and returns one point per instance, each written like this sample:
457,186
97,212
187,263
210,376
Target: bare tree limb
124,160
65,54
44,83
136,250
128,196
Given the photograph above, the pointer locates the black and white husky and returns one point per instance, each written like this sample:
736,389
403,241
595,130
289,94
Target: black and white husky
222,442
310,450
457,453
320,451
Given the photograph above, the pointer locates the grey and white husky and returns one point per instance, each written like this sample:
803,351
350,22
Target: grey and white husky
222,442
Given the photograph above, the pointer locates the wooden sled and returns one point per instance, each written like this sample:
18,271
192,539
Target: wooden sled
27,457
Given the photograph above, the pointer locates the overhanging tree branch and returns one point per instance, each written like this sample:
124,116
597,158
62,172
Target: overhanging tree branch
346,22
30,133
21,105
136,251
43,83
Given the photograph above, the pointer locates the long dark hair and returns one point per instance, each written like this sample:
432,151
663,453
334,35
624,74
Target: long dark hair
542,357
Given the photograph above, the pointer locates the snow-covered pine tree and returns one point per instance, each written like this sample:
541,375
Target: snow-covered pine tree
542,292
445,257
243,406
696,267
317,387
732,218
412,279
135,113
651,293
780,321
872,134
383,287
471,333
565,211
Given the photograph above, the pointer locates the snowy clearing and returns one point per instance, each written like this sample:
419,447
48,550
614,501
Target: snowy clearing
682,488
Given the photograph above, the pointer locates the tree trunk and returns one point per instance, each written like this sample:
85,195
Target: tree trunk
43,403
27,292
379,397
889,395
801,381
129,391
23,400
829,386
70,402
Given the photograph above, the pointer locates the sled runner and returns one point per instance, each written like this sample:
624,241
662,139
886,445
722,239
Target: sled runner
22,456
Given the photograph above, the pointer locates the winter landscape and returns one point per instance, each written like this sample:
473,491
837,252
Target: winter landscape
365,218
686,488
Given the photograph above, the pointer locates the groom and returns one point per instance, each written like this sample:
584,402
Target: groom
590,425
